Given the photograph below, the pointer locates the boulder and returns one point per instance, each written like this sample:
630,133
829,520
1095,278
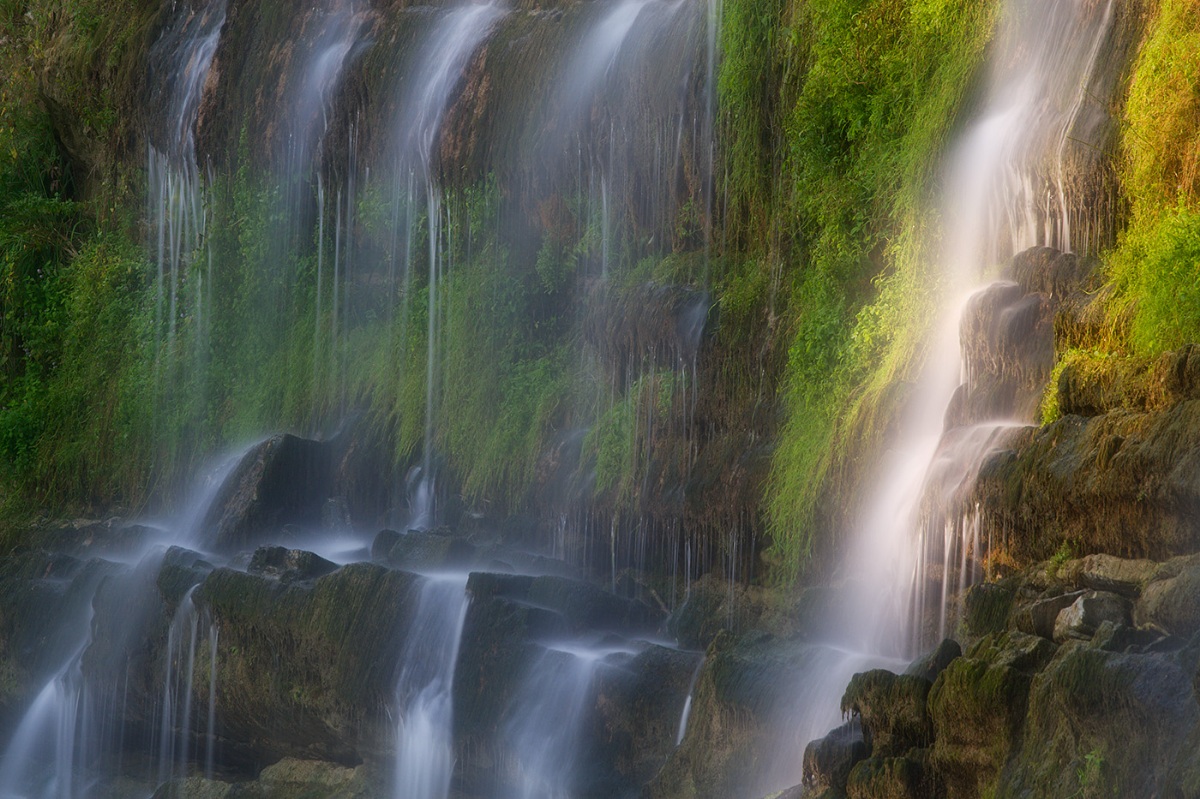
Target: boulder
893,710
306,669
1081,619
418,550
1170,601
977,707
289,565
1102,572
1039,616
1122,483
933,663
1106,724
890,778
639,706
829,760
749,691
284,480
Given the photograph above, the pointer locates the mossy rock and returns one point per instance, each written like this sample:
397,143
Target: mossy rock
893,711
987,607
307,669
889,778
1122,483
978,707
1106,724
828,761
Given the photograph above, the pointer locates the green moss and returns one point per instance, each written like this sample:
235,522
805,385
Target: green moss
863,147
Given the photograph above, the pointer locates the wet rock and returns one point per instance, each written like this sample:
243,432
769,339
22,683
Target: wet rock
892,708
498,645
313,779
935,662
977,707
889,778
1123,483
1120,638
1008,344
1109,573
1171,600
1105,723
199,788
988,605
829,760
736,708
1039,616
284,480
423,549
713,605
1082,618
289,565
307,669
639,705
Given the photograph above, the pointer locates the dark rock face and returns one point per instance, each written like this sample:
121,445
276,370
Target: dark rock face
638,711
289,565
828,761
307,670
977,707
893,710
284,480
1124,483
930,665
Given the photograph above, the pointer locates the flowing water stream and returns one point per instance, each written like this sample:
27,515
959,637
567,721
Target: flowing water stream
917,547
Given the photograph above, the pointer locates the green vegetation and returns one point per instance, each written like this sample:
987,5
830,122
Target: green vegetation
882,88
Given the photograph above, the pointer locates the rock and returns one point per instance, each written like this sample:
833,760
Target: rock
888,778
1081,619
1106,724
1120,638
638,710
977,707
738,710
284,480
1171,604
1007,338
893,710
988,605
1123,483
932,664
307,669
313,779
1109,573
829,760
198,788
713,605
289,565
423,549
1039,617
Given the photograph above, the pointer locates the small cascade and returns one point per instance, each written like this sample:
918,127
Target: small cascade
430,89
176,202
917,547
179,744
545,729
52,742
425,751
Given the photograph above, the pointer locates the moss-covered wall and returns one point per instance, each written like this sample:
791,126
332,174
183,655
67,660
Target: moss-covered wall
832,118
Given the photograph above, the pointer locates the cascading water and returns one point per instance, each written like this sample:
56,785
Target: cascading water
918,546
176,199
454,38
546,728
425,748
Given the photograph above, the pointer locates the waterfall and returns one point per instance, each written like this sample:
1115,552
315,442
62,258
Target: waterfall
425,750
917,546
